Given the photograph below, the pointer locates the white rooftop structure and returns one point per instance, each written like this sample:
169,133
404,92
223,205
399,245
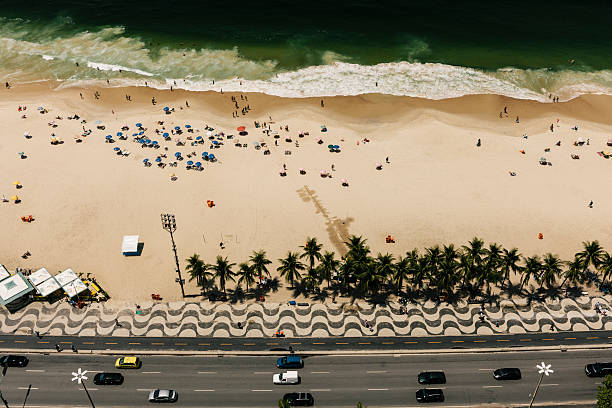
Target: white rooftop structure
129,244
4,273
74,288
40,276
13,288
48,287
66,277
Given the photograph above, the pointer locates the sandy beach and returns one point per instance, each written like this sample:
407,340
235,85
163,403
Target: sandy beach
437,188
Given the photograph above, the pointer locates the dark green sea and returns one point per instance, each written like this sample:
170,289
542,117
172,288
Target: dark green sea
433,49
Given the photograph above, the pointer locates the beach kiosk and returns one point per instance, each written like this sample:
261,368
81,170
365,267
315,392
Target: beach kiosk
15,292
46,285
71,283
4,273
129,246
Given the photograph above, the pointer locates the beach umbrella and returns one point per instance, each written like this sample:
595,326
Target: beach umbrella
177,154
330,146
20,153
204,154
212,156
189,163
139,125
215,142
147,141
323,173
154,143
140,133
336,147
116,149
166,109
166,134
16,183
198,164
158,160
145,161
40,108
172,175
15,198
343,181
97,121
108,137
241,128
188,126
119,133
199,138
141,141
209,133
177,128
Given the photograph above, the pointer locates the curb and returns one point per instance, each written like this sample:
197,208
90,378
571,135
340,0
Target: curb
109,352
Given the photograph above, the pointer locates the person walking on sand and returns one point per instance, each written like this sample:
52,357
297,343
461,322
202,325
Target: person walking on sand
552,127
505,110
387,159
322,104
590,204
478,143
8,86
517,119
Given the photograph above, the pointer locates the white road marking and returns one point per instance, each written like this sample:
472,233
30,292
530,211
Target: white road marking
261,390
207,372
319,372
320,389
25,388
378,389
548,385
89,389
204,390
376,372
151,372
35,371
492,386
95,371
144,389
486,369
263,372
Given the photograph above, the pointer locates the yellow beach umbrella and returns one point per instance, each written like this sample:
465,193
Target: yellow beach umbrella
16,183
14,198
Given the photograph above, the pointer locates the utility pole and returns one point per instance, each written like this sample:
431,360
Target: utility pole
169,224
543,369
79,377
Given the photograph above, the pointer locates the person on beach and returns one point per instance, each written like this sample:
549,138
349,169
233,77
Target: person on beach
478,143
517,119
552,127
590,204
322,103
505,110
7,85
153,101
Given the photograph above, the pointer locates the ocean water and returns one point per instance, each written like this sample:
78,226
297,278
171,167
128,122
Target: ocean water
433,49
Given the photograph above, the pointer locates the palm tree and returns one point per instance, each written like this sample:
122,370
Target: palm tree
196,268
328,267
471,263
400,273
605,266
552,267
509,263
290,268
222,270
357,248
532,268
311,251
260,263
447,278
574,272
591,254
247,274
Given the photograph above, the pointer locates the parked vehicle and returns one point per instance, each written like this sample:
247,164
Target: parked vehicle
290,362
598,369
429,395
299,399
288,377
432,377
507,374
108,379
14,361
163,396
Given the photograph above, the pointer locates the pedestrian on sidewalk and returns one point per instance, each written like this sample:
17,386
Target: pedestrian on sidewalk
58,348
117,323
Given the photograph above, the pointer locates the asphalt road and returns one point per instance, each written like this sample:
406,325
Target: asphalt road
334,381
307,343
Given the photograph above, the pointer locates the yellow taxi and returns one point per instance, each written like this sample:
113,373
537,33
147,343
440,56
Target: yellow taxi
128,362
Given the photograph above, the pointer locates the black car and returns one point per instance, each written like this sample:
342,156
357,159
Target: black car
299,399
432,377
507,374
596,369
14,361
429,395
108,379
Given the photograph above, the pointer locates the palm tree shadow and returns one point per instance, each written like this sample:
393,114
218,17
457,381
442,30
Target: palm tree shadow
237,295
320,295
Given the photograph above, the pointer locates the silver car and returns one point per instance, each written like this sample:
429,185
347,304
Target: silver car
163,396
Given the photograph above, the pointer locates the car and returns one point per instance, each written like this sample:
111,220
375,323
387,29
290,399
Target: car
299,399
596,369
108,379
163,396
507,374
14,361
128,362
432,377
289,377
429,395
290,362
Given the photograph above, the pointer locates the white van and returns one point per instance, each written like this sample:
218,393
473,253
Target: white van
288,377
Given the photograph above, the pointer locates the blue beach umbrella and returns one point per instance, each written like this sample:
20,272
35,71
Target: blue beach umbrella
198,164
177,154
140,141
116,149
140,133
211,156
166,109
97,121
165,134
204,154
154,143
134,134
158,159
108,137
188,126
139,125
215,142
336,147
145,161
177,128
189,163
199,138
119,133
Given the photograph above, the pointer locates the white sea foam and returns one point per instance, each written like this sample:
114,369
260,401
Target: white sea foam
117,68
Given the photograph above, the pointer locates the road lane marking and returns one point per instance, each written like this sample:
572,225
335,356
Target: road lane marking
547,339
479,341
204,390
180,344
502,340
365,342
110,342
263,372
295,343
492,386
45,342
85,342
151,372
410,342
82,389
249,344
133,343
320,390
434,342
376,372
549,385
592,337
324,343
25,388
457,341
261,390
203,344
23,341
341,343
378,389
35,371
144,389
486,369
524,339
226,344
387,342
207,372
65,342
319,372
94,371
155,344
573,338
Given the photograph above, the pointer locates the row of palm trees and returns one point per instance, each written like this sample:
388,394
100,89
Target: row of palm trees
447,270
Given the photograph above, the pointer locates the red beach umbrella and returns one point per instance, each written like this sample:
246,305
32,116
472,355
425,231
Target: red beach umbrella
241,128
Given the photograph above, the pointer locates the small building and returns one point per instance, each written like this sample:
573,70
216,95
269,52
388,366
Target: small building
46,285
71,283
129,245
4,273
15,292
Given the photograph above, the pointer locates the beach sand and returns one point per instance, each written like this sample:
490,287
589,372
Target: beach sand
438,188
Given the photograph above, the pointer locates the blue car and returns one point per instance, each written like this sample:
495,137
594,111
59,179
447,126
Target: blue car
290,362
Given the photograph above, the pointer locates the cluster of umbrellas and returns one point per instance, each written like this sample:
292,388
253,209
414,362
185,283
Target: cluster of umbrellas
333,148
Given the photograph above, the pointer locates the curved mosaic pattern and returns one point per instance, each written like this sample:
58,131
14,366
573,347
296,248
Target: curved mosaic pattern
191,319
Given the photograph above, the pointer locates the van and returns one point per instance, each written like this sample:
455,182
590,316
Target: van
290,362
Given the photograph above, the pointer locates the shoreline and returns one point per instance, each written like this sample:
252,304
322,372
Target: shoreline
438,188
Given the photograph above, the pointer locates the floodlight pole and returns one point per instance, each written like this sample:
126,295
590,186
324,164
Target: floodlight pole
87,392
169,224
536,390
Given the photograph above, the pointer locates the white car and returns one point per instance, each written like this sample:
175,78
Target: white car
163,396
288,377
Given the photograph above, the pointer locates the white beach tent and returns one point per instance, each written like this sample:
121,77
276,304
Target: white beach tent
129,246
